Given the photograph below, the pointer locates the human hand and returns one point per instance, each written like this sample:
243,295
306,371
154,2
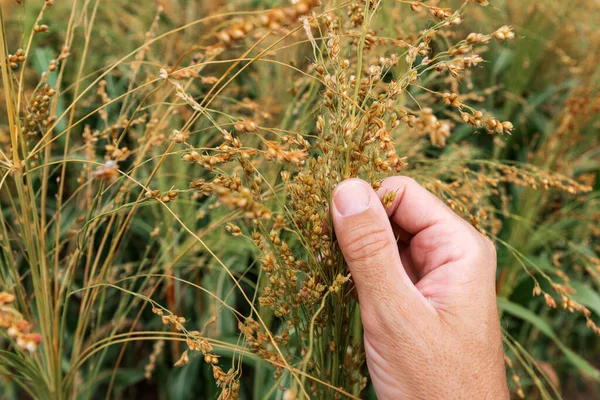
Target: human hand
426,285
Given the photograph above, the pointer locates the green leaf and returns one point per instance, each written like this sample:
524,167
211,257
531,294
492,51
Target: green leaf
586,296
185,383
527,315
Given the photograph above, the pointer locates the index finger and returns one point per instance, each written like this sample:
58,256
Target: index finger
415,208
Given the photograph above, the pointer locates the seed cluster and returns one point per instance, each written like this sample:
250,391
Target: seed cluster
16,326
37,116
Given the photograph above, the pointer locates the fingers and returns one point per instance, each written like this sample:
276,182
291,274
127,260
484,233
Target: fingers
438,235
415,208
366,239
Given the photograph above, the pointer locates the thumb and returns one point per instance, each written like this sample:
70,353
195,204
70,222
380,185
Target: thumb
366,239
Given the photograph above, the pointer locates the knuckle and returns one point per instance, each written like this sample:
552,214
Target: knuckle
489,246
484,243
399,181
408,181
478,247
488,252
479,240
366,244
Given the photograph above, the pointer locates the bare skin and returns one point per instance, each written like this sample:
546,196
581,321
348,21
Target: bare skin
426,285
